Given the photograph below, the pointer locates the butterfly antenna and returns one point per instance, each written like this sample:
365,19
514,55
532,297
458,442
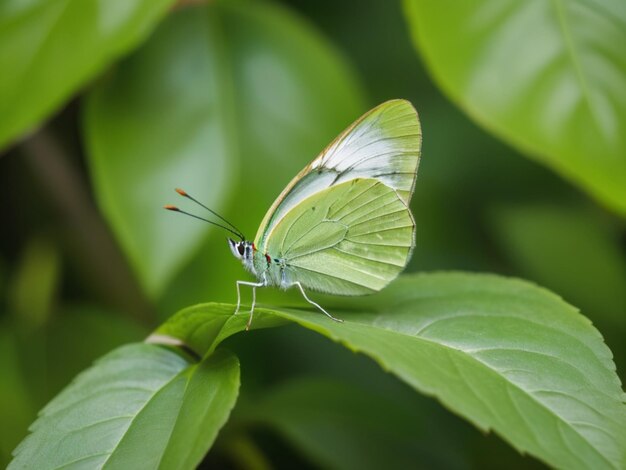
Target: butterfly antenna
190,197
176,209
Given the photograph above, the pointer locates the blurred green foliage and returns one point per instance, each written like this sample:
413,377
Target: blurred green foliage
549,77
49,48
229,100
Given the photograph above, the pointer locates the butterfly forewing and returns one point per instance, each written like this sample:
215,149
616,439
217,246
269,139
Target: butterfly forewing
384,145
351,238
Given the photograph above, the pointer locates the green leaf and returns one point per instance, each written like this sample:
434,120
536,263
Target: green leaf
139,406
574,252
38,362
547,77
502,353
224,88
49,49
202,327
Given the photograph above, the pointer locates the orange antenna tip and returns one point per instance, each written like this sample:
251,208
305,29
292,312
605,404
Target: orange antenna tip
169,207
181,192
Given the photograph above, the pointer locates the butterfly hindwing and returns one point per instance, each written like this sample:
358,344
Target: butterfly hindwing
351,238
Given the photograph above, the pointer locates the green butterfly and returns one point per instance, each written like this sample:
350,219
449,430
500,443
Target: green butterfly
342,225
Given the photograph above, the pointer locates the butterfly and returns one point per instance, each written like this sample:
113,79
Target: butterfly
342,225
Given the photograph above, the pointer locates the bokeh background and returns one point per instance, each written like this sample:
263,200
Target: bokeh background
229,100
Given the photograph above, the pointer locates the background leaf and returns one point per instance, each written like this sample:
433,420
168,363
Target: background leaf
34,285
548,77
16,406
102,419
49,49
231,87
503,353
335,424
569,251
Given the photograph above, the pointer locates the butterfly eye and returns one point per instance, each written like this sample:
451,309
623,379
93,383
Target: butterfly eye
240,248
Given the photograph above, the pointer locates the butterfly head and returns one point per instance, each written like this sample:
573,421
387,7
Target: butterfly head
242,250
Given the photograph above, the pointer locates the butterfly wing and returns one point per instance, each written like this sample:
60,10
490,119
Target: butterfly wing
384,145
351,238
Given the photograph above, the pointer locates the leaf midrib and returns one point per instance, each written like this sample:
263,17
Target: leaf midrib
572,53
191,370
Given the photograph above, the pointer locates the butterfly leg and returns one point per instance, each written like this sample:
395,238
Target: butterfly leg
315,304
254,285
